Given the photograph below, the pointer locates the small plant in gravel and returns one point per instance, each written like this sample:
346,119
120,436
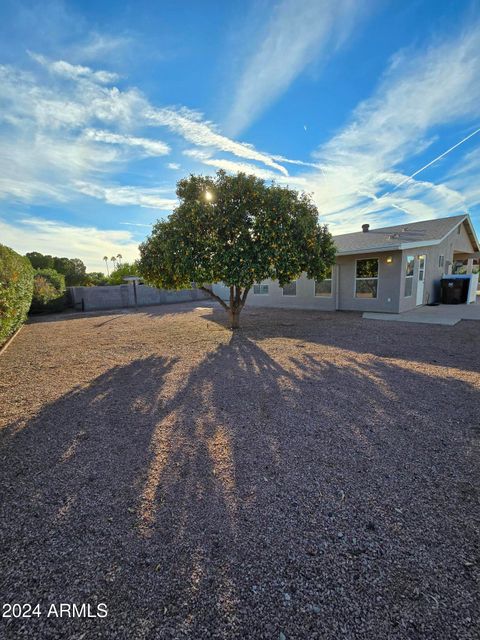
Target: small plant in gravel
239,231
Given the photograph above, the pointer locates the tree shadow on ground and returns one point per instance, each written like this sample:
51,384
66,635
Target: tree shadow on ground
457,346
258,496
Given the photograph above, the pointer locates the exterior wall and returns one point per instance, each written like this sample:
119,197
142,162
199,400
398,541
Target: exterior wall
461,241
343,288
453,243
387,299
122,296
391,283
433,273
305,298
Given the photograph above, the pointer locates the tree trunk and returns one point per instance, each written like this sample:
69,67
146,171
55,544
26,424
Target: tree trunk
234,318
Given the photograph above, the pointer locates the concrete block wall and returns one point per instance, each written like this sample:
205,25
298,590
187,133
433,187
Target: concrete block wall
122,296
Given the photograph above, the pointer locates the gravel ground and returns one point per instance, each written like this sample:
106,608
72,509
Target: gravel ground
312,476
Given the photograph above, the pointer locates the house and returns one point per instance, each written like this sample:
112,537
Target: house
392,269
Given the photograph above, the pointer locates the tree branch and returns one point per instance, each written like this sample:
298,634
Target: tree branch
214,296
244,295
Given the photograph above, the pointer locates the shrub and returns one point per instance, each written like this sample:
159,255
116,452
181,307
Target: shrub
16,288
125,269
95,279
48,292
56,279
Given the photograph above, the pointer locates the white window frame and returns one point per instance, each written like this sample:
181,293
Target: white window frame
290,295
260,292
441,261
324,295
355,278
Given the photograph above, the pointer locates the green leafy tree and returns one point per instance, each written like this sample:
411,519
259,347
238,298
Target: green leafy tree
72,268
95,279
236,230
40,261
126,269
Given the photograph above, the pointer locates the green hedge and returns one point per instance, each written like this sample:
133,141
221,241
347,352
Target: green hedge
16,289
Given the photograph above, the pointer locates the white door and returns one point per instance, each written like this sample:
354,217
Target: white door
421,279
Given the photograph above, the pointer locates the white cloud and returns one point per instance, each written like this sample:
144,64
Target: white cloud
75,71
127,195
197,154
89,244
421,91
150,147
50,140
101,46
232,166
192,128
464,177
298,32
174,166
136,224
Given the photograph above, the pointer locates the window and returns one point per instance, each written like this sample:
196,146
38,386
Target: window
409,268
290,289
323,288
260,289
366,278
441,261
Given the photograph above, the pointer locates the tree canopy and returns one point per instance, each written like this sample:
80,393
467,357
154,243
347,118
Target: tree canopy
239,231
73,269
126,269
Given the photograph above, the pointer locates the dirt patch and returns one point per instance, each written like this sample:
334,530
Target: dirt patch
313,476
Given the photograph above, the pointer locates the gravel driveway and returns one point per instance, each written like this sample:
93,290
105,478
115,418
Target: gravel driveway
313,476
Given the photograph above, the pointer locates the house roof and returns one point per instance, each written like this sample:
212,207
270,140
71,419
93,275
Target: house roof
403,236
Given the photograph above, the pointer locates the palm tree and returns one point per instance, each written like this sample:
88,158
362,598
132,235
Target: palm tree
119,258
105,258
114,260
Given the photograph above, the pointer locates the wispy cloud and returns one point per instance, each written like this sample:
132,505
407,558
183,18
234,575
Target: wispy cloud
298,32
190,125
127,195
136,224
74,71
421,91
52,145
150,147
54,238
233,166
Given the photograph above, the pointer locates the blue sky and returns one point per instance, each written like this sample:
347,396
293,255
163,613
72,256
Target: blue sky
104,106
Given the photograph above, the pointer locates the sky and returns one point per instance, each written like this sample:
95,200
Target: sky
104,106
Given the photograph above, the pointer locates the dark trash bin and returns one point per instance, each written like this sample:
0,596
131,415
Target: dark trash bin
455,290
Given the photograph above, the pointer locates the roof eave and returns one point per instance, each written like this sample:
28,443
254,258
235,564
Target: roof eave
414,245
389,247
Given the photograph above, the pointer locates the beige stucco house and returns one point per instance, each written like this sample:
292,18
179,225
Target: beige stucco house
392,269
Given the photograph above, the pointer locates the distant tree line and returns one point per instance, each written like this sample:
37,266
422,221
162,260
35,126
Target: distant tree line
75,272
52,275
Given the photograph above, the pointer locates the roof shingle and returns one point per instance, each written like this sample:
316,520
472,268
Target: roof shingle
395,236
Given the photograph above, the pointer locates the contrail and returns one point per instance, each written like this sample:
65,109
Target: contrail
442,155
